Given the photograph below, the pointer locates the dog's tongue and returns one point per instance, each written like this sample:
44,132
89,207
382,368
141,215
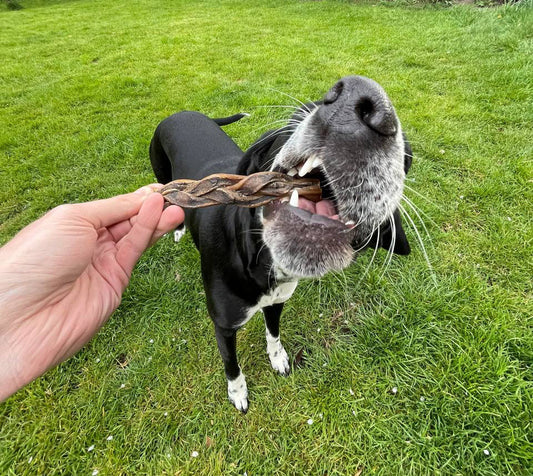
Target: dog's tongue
323,207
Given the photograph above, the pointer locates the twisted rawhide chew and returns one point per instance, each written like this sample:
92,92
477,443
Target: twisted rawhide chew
243,190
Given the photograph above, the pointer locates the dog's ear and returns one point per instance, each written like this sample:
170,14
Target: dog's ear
408,155
385,238
257,157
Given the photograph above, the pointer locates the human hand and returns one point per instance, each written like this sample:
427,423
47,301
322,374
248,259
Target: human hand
62,276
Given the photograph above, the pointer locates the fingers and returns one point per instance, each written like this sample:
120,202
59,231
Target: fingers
120,230
171,217
107,212
150,224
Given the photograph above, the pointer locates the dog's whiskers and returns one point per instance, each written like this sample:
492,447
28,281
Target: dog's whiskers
274,133
367,269
259,254
390,250
411,189
277,106
305,108
405,213
417,210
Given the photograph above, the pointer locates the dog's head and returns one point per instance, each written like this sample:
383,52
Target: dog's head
353,142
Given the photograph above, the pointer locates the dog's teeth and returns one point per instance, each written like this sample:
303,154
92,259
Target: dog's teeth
294,199
306,167
317,162
292,172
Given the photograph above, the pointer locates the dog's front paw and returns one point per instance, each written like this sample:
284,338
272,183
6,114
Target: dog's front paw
238,393
278,356
280,361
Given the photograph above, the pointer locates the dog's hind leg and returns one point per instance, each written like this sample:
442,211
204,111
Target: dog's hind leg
276,352
237,389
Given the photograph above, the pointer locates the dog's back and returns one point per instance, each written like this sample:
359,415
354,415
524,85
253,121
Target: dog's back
202,148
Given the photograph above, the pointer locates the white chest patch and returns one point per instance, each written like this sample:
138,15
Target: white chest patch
276,296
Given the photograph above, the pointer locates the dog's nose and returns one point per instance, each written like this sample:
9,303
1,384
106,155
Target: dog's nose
367,99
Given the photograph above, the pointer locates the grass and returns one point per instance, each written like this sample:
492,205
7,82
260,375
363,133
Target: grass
84,83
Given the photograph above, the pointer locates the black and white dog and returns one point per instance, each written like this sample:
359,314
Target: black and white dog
252,259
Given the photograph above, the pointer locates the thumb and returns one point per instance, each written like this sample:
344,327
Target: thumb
107,212
131,247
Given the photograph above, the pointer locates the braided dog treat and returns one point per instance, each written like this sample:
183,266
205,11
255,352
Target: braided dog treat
243,190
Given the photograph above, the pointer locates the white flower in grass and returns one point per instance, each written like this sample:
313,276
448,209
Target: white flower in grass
30,459
195,454
122,385
90,448
352,392
486,452
394,390
310,421
95,472
151,341
109,438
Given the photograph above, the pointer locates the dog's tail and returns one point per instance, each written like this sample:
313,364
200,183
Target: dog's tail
224,121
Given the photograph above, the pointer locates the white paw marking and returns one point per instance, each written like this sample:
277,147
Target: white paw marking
238,393
277,354
179,232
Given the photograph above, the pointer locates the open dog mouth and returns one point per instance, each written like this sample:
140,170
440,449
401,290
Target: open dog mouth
308,238
323,212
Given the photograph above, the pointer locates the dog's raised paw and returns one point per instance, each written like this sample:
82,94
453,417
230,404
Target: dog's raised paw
238,393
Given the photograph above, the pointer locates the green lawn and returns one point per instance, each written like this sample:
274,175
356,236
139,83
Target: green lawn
84,83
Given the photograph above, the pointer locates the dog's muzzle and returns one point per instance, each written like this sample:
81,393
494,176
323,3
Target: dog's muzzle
353,143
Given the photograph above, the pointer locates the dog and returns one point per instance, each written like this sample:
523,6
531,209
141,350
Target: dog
252,259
